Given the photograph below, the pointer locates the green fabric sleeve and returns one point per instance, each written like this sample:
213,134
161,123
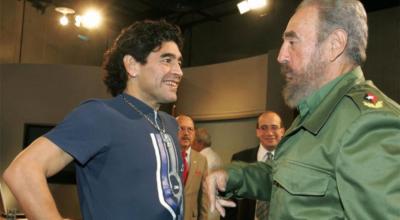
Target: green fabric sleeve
250,180
367,174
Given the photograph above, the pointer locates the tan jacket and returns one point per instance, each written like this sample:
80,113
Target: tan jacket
196,202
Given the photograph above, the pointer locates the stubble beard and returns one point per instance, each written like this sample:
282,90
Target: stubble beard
305,82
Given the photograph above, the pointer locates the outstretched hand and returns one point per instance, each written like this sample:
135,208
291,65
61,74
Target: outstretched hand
216,182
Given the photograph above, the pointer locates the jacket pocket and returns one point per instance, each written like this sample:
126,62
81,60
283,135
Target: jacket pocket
301,179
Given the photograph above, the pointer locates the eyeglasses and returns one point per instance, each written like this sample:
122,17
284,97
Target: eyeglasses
269,127
186,129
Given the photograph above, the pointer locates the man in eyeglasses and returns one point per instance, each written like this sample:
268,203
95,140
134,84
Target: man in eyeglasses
269,131
194,172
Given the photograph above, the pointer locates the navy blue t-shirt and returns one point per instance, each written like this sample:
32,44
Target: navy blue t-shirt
124,168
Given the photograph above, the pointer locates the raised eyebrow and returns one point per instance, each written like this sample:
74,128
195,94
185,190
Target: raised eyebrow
170,55
271,125
290,34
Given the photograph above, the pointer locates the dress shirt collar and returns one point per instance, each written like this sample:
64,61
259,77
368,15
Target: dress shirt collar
188,152
311,103
261,152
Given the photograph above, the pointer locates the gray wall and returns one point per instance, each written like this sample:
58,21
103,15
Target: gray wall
229,90
10,30
35,93
230,136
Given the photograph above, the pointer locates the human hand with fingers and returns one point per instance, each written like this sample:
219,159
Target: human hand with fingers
216,182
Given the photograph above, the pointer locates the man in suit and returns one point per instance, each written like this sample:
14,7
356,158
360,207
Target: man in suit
194,172
269,131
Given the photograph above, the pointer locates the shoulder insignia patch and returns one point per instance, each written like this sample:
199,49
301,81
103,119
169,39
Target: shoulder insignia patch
371,101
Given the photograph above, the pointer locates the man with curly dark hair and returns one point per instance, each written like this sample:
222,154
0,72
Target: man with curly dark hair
124,149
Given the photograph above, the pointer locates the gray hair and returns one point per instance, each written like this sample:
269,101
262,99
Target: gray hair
348,15
202,136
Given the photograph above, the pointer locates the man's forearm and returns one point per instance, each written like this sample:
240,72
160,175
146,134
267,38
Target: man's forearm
31,190
250,180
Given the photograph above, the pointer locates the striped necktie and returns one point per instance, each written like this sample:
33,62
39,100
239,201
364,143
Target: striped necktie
262,206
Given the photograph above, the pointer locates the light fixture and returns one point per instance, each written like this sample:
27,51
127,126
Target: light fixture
64,20
65,12
256,4
243,7
247,5
78,20
91,19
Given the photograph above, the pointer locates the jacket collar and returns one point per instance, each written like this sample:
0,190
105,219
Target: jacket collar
323,111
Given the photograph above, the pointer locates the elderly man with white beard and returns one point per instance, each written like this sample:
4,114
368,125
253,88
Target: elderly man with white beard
340,157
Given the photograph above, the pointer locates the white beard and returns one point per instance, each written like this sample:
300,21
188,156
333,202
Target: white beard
303,84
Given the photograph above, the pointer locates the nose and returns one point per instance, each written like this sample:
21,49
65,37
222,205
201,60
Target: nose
186,132
177,69
269,131
283,56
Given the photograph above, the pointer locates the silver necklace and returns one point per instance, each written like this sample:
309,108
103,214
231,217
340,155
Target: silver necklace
155,125
173,176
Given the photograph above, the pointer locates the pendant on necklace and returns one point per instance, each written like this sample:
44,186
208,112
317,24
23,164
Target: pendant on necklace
167,139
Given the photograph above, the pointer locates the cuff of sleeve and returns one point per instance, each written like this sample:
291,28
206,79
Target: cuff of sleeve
235,177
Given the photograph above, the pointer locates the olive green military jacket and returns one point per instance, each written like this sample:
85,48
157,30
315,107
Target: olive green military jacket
342,161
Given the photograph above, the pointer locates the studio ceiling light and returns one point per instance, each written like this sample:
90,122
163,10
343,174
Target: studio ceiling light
64,20
243,7
247,5
65,12
256,4
91,19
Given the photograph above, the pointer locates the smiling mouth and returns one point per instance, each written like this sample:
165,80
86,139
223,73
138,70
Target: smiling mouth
269,139
171,83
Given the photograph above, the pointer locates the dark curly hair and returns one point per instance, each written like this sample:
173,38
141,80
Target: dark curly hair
137,40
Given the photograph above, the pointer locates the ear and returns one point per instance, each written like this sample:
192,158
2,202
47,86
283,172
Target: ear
338,43
258,133
131,66
283,130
